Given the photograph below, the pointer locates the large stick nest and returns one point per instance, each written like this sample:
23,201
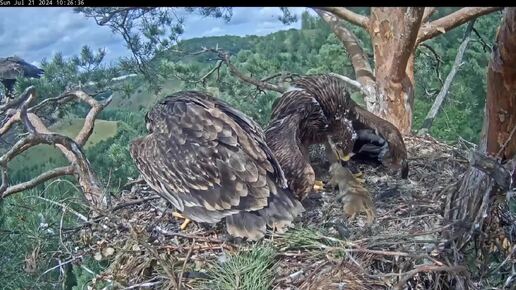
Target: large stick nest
403,249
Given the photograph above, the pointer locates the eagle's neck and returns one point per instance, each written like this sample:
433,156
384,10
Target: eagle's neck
283,138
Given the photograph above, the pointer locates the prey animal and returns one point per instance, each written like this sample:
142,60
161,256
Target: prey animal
353,195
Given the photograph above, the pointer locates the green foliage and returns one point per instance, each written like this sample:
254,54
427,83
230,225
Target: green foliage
30,236
313,49
462,113
246,270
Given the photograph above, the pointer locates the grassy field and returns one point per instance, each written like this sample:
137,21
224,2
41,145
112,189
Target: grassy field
142,97
37,157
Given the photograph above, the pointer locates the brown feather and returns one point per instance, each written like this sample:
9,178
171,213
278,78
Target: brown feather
334,99
301,118
211,161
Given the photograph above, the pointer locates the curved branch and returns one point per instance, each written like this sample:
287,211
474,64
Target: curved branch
39,134
348,15
429,11
89,120
56,172
450,21
363,72
351,82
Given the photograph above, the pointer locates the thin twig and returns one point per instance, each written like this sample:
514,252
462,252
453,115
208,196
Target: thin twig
180,279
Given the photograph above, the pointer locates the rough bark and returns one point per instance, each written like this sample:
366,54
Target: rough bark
479,204
429,119
394,32
448,22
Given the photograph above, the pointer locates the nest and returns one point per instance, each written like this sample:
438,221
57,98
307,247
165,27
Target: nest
402,249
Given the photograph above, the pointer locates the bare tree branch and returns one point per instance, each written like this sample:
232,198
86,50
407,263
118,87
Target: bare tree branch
39,134
448,22
438,61
204,78
347,15
89,121
429,119
54,173
363,72
283,76
351,82
429,11
225,57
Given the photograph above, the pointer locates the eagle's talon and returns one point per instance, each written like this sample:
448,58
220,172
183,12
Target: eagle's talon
185,224
180,216
318,187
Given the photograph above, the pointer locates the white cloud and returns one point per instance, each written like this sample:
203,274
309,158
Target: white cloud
213,31
44,31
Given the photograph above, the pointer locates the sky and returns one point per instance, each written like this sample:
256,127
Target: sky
36,33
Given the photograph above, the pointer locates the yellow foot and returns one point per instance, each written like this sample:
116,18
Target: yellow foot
180,216
318,186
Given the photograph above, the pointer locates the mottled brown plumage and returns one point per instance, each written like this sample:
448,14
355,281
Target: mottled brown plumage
211,162
328,91
299,120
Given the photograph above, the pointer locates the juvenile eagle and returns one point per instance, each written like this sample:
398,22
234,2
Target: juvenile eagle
318,109
299,119
211,162
14,67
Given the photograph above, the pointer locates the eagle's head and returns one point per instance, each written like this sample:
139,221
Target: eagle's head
342,138
396,160
395,155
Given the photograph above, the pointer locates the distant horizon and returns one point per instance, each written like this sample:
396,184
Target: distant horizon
59,29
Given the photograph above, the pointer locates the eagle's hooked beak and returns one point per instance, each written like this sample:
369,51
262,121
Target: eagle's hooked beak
341,156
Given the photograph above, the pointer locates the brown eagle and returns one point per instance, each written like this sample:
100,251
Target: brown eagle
211,162
327,89
318,109
299,119
14,67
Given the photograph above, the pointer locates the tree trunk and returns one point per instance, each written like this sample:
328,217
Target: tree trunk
394,34
480,204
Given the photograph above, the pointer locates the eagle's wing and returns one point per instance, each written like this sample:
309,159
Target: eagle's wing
14,67
211,162
395,152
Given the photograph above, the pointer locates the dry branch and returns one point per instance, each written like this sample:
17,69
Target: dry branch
450,21
54,173
225,58
429,119
348,15
40,134
363,72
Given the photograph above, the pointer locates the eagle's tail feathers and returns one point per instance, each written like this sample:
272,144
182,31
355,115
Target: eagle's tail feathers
248,225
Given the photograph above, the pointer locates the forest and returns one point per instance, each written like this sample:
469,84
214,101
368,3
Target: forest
443,76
